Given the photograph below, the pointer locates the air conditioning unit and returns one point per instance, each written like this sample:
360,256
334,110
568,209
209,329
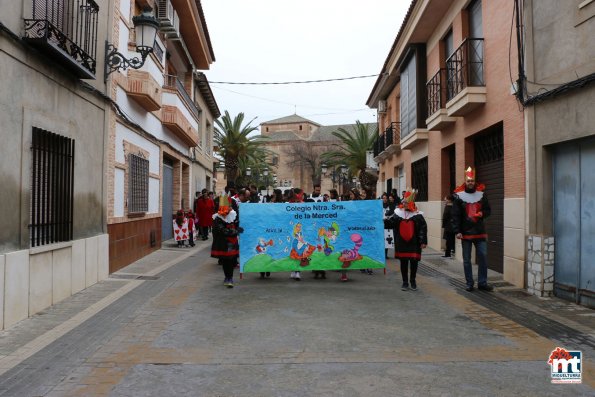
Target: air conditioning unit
174,33
165,15
382,106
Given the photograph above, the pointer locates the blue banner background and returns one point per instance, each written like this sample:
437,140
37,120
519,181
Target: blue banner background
271,230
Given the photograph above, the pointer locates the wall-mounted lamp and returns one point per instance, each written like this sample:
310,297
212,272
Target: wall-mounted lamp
323,168
145,28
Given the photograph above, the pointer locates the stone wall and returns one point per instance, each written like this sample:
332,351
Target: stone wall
540,265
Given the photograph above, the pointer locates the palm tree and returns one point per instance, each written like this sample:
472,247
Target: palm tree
352,151
233,143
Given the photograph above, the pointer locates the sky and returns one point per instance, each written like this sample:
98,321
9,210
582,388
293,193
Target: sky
298,40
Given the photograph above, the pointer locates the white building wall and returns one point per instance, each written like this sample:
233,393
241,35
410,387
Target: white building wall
154,195
149,122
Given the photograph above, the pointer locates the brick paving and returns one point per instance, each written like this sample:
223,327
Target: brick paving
179,332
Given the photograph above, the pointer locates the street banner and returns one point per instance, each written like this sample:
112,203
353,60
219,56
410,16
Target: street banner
283,237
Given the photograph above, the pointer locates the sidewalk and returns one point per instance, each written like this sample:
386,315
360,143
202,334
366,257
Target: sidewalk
165,324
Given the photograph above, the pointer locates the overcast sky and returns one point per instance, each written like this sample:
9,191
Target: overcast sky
297,40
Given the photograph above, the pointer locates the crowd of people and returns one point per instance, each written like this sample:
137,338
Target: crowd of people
463,218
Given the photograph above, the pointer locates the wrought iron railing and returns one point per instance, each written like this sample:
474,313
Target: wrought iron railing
173,83
390,136
436,92
464,68
68,25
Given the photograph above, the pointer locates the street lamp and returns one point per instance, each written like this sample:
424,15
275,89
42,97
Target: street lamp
265,172
344,169
323,168
145,28
248,171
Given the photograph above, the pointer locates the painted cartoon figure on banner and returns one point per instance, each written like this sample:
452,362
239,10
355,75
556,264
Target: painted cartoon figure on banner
262,245
300,249
350,255
329,235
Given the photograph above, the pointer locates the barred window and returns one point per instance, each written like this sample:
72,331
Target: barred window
138,184
52,188
419,178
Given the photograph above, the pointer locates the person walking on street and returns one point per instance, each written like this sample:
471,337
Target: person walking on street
191,228
225,239
469,209
205,207
411,236
448,235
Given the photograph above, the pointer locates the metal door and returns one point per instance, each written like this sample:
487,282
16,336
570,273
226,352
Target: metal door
574,221
167,230
489,160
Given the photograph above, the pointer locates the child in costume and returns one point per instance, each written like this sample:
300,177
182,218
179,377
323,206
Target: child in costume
411,236
225,239
180,228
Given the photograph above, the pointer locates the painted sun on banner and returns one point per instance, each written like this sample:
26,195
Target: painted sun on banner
286,237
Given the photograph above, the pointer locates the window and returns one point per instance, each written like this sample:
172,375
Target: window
408,98
419,178
138,184
208,140
448,45
52,184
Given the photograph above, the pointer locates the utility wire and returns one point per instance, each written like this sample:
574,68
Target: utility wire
281,102
295,82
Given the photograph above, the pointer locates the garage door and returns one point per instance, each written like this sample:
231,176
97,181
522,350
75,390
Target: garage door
489,160
574,221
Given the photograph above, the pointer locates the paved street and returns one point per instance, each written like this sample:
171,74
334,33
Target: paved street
177,331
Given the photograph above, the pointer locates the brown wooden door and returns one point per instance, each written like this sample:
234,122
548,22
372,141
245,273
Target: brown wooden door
489,160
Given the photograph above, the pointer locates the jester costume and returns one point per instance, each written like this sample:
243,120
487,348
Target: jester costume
225,240
411,232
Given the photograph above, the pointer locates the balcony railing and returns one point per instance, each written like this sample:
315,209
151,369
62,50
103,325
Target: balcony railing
464,68
173,83
390,136
67,30
436,91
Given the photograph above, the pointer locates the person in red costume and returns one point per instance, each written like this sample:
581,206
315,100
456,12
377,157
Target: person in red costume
469,209
205,208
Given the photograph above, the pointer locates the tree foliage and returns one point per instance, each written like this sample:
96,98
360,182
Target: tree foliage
352,151
234,143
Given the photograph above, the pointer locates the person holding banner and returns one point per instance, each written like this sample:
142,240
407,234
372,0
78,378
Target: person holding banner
411,236
225,239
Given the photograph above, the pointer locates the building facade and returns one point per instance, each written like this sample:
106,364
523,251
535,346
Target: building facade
160,135
558,94
53,239
445,101
297,144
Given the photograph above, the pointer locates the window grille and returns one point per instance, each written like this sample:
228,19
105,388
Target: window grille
488,148
138,184
419,178
52,188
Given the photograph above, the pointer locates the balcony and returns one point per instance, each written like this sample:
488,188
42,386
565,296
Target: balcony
436,89
173,83
413,138
179,112
144,89
67,33
388,143
465,88
174,119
